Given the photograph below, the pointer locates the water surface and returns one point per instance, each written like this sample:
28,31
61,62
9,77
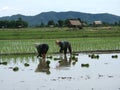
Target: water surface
81,74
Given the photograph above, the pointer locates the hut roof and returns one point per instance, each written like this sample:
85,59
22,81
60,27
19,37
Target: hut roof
98,22
75,22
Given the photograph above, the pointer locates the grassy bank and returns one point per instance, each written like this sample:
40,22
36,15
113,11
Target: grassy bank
53,33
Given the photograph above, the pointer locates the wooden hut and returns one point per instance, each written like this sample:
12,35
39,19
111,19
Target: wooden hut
75,24
97,23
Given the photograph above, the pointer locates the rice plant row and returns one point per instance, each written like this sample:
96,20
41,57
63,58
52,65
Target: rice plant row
78,44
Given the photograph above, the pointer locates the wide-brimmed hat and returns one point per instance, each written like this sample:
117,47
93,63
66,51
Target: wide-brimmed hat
57,41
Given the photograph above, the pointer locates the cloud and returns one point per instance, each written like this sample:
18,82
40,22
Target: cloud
7,11
4,8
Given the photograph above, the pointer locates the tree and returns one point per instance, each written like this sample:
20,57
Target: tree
67,22
60,23
79,20
20,23
2,24
115,23
42,24
51,23
119,22
105,24
13,24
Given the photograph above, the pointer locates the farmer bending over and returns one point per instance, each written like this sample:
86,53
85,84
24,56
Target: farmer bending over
64,45
42,49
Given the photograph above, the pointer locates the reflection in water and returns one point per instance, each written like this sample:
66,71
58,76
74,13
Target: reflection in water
43,66
17,58
65,62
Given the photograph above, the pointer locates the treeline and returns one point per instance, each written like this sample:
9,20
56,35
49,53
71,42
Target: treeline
59,23
19,23
13,23
65,23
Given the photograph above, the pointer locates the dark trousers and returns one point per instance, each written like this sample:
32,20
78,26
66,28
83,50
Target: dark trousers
68,47
42,49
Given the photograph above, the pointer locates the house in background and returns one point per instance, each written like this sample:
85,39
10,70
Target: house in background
97,23
75,24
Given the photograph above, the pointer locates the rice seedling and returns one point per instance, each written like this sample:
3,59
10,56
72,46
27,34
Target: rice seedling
48,63
78,44
26,64
114,56
25,39
73,63
75,54
15,69
94,56
56,58
3,63
74,58
85,65
49,57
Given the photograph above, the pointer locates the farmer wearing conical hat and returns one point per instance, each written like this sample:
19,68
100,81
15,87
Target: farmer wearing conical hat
42,49
64,45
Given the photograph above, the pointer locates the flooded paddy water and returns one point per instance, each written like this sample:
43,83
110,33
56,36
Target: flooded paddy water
82,72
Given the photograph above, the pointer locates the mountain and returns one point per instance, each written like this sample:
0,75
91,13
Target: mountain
46,16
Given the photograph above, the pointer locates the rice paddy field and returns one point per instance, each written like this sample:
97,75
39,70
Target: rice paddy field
20,68
78,44
21,41
27,72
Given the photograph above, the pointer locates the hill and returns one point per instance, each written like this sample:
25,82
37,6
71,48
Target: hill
46,16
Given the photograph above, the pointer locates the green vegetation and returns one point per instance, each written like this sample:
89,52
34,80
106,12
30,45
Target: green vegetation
85,65
53,33
13,23
15,69
3,63
114,56
93,56
26,64
21,41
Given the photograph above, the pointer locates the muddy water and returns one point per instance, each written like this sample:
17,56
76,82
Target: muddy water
84,73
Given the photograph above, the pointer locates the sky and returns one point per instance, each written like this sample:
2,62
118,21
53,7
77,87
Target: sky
34,7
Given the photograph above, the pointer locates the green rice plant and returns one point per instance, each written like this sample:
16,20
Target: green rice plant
78,44
3,63
85,65
114,56
15,69
26,64
55,33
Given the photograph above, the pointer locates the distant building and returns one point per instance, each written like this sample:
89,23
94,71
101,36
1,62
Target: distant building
97,23
75,24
